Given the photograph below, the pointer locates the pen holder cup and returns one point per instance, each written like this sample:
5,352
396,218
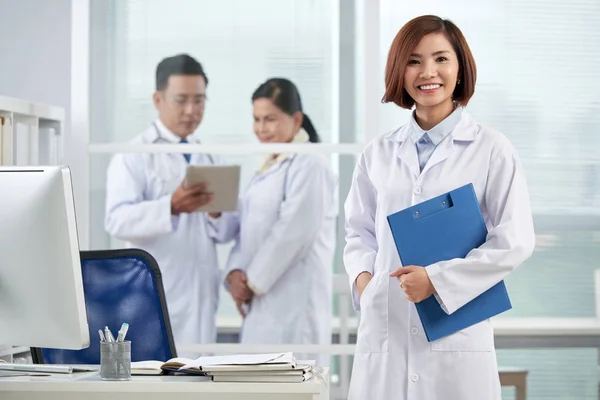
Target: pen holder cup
115,361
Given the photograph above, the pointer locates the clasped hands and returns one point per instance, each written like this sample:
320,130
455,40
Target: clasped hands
240,292
413,280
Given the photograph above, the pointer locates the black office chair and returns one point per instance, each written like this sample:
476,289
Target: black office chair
120,286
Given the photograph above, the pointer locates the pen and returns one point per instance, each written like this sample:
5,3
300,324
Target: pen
108,334
102,339
122,332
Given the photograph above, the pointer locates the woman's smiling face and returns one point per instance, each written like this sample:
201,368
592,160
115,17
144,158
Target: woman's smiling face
432,71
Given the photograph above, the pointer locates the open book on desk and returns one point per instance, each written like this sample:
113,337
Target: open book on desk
153,367
202,365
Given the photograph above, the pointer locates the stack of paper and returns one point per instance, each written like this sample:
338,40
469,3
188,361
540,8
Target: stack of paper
286,373
278,367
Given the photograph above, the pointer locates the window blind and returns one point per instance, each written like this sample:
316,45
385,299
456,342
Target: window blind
239,43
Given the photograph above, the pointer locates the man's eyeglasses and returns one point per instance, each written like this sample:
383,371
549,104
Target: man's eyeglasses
182,102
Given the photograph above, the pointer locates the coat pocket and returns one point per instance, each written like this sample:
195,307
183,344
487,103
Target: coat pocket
372,335
476,338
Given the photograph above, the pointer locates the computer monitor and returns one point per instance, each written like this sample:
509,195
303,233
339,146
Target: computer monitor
41,290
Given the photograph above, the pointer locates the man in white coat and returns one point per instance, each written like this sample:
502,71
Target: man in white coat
149,207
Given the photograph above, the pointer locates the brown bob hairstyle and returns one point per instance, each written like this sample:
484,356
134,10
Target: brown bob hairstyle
403,45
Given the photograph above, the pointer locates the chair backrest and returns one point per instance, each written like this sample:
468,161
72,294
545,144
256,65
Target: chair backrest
120,286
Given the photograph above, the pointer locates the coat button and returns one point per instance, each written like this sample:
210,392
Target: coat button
418,190
414,378
414,330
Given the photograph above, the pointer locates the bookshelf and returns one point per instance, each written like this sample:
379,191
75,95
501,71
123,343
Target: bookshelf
30,134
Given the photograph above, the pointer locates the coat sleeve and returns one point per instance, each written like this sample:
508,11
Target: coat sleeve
235,261
129,216
509,242
361,241
309,196
225,228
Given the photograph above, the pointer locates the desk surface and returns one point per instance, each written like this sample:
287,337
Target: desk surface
67,387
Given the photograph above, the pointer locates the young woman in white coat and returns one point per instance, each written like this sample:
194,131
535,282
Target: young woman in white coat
279,272
441,148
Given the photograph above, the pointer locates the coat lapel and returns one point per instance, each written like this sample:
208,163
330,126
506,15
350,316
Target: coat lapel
441,152
406,150
407,153
465,131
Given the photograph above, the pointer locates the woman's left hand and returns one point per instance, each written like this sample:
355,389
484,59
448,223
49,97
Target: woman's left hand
415,282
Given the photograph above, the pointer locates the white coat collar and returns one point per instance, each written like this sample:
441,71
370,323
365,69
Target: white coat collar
165,134
300,137
438,132
465,130
157,133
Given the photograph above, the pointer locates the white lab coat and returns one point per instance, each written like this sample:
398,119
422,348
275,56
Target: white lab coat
286,245
138,211
393,359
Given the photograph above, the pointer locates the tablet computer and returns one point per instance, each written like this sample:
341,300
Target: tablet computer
221,180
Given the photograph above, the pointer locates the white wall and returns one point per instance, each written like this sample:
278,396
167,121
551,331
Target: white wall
35,50
36,64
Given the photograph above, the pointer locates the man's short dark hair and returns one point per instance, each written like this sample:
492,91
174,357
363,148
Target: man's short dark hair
181,64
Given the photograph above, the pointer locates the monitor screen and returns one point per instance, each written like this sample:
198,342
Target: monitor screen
41,290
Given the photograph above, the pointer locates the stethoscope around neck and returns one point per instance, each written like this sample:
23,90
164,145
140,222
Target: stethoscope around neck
160,137
258,176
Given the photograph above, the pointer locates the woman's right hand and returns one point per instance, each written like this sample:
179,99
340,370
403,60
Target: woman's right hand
238,286
362,280
240,292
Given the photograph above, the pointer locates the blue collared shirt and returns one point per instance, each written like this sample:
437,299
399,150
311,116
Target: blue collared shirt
427,141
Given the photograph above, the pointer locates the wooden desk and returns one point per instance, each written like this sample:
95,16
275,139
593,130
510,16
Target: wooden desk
90,387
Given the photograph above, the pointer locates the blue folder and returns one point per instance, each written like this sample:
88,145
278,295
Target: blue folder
442,228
